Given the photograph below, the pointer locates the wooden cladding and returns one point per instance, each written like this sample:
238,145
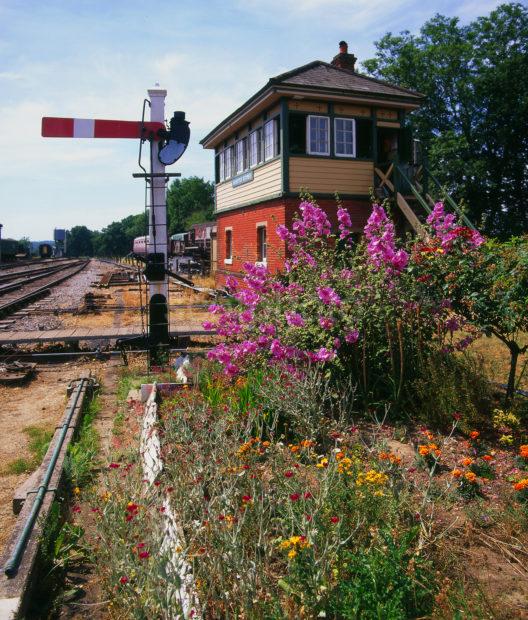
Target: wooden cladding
387,115
266,182
327,176
351,110
308,106
388,124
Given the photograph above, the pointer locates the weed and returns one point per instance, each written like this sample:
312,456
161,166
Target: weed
82,454
39,440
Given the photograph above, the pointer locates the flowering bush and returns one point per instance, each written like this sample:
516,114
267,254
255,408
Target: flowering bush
364,309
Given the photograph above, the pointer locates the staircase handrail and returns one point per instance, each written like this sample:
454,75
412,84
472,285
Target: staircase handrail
448,198
416,193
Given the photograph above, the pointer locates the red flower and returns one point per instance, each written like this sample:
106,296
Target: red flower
294,497
131,507
76,509
143,555
221,517
114,466
157,483
457,416
140,545
288,474
334,519
308,495
169,489
246,498
308,518
123,579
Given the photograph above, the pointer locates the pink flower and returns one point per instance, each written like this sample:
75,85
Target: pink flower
345,223
328,296
326,322
208,325
352,336
323,355
294,319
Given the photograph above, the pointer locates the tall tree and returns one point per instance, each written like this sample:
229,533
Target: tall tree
80,241
189,201
474,122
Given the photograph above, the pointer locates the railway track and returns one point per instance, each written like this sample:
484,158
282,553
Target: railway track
18,293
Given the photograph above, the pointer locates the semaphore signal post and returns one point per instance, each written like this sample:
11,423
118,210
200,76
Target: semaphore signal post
166,147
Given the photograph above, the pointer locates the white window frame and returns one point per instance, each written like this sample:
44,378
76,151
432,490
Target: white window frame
229,158
273,123
308,135
354,138
264,259
257,136
240,156
228,260
221,166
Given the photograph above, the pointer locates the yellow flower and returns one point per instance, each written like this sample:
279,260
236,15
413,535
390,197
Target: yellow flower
76,491
322,463
292,554
106,496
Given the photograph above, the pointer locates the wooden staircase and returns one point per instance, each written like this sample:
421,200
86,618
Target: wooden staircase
409,186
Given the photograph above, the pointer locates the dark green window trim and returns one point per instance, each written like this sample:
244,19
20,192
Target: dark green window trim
285,144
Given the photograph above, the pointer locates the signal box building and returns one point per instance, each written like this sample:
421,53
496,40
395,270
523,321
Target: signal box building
321,128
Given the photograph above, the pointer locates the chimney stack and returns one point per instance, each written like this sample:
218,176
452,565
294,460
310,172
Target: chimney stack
344,60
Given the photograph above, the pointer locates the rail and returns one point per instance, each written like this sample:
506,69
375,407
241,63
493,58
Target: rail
13,563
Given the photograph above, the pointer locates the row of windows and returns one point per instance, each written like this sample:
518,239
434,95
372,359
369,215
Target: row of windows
261,145
310,135
262,245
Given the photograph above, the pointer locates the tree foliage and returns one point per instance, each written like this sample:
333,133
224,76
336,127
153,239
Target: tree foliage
474,121
189,201
80,241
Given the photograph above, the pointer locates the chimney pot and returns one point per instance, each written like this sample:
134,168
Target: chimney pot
344,60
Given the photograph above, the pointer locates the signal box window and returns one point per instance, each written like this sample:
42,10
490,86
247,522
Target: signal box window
255,147
270,140
318,135
262,246
228,246
345,137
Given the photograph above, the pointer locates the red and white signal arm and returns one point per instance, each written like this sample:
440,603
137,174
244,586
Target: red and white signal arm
54,127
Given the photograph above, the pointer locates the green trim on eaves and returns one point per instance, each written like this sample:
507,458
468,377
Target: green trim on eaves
285,144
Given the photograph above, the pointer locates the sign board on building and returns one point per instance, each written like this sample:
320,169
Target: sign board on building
245,177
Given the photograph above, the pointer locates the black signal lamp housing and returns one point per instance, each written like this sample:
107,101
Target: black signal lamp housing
174,140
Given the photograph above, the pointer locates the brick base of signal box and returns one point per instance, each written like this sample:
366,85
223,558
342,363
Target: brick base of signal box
245,221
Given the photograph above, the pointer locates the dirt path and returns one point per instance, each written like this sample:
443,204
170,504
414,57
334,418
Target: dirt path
39,403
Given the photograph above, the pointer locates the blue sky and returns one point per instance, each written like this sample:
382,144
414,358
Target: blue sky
96,59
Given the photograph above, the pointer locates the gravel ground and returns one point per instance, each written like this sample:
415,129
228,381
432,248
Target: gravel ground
69,294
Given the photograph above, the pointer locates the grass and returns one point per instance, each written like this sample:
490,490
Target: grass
82,453
129,380
496,359
39,441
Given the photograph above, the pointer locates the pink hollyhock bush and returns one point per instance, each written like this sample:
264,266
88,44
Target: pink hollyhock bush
350,306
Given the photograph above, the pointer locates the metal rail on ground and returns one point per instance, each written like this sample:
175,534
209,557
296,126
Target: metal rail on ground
13,563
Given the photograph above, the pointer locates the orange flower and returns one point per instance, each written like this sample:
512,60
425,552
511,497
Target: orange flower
456,473
521,485
523,451
487,458
470,476
423,450
474,434
466,462
339,455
